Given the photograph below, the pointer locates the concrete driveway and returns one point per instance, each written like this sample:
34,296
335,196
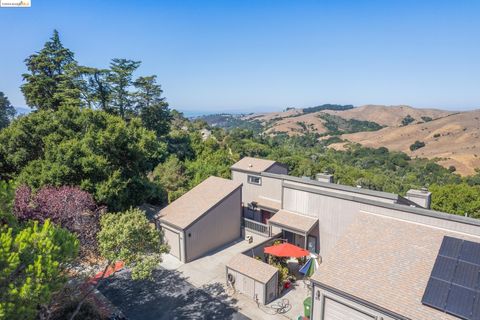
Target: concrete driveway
168,296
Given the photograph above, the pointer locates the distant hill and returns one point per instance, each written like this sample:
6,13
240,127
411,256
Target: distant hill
390,115
452,138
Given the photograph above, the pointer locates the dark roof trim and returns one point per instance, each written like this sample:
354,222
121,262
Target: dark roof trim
358,300
246,171
393,206
335,186
205,213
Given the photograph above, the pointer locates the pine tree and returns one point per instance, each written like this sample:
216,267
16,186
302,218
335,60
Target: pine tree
49,82
7,111
151,106
120,78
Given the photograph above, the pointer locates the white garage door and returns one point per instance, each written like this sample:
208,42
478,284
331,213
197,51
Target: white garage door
173,240
334,310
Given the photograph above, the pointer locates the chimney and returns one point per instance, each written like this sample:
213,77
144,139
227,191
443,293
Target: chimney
421,197
324,177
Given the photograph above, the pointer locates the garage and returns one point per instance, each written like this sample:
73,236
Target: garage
172,238
335,310
203,219
252,278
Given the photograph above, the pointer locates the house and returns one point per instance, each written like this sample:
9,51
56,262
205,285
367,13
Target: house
381,269
212,207
379,251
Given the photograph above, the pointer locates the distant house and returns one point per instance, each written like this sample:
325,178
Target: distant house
379,251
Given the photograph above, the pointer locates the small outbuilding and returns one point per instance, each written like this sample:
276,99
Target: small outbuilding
205,218
253,278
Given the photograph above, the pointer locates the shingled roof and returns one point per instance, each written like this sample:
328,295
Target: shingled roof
252,268
386,262
253,164
195,203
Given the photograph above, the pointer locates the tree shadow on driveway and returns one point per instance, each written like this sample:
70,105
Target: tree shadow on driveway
168,295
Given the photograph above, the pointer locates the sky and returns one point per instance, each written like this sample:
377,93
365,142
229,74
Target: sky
265,55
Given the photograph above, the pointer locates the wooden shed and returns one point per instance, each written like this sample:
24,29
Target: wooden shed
253,278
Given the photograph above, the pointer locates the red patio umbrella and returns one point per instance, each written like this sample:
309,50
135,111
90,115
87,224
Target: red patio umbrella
286,250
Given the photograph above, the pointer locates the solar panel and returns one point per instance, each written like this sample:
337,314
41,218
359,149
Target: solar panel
470,252
450,247
476,308
466,274
436,294
444,268
460,302
454,284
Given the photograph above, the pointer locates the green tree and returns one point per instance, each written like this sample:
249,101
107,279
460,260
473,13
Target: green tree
461,199
171,177
129,237
49,76
7,111
151,106
33,261
120,79
99,152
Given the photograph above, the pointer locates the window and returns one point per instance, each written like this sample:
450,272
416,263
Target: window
254,180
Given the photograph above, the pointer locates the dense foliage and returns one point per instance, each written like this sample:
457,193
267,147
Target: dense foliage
417,145
49,83
32,267
129,237
337,107
7,111
99,152
461,199
230,121
338,125
407,120
68,207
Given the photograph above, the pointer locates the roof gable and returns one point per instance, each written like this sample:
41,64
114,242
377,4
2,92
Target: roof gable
184,211
253,164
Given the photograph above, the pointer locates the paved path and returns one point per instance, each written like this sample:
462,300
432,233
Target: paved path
195,290
168,296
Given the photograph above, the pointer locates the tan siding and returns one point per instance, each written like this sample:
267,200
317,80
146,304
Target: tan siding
330,306
335,215
271,188
335,310
342,192
172,238
252,288
271,289
218,227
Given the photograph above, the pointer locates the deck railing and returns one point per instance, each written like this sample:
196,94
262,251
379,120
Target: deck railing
257,227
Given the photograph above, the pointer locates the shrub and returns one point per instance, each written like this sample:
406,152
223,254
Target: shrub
417,145
426,119
407,120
